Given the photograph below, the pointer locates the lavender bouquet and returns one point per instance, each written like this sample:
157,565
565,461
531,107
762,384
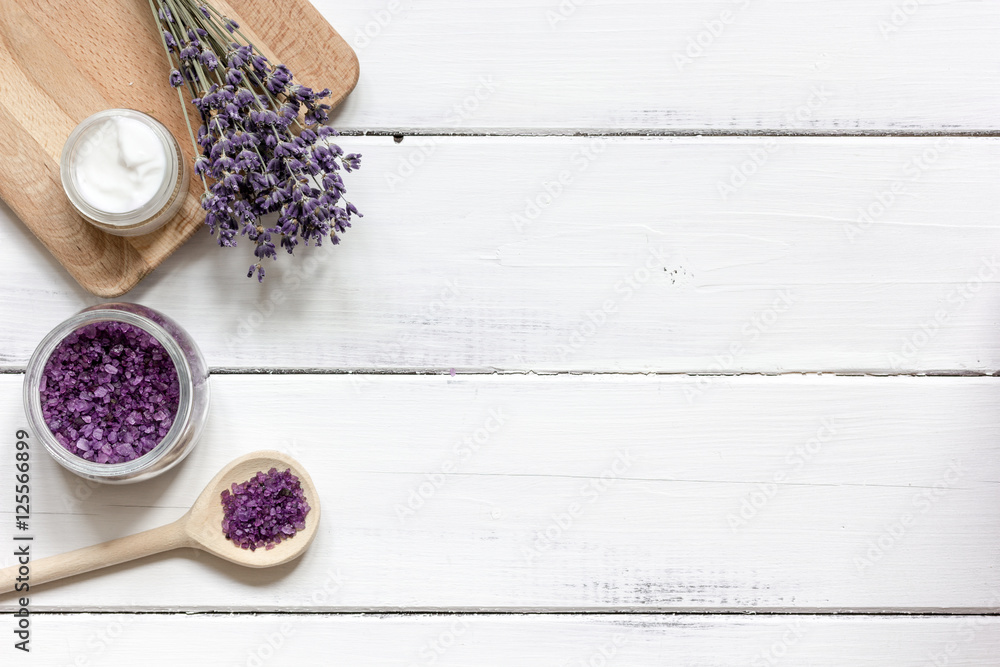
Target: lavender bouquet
259,154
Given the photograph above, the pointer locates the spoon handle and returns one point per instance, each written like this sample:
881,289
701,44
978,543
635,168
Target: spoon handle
171,536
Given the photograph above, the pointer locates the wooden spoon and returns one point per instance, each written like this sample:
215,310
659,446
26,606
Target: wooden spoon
200,528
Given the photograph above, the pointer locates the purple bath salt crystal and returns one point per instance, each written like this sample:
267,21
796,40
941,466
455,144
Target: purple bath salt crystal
264,510
89,401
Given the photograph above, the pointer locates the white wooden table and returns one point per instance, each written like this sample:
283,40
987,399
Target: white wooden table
669,337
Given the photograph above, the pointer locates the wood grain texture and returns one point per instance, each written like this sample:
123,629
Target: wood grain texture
613,65
528,641
746,255
566,493
97,556
637,264
35,71
54,78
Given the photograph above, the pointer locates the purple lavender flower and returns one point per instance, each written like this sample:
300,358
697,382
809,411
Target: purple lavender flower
189,52
208,59
263,148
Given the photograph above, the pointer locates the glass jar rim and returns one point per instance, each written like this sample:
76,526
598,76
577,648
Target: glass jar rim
149,210
33,401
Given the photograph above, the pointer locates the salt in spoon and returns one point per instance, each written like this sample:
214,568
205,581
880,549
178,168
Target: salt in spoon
200,528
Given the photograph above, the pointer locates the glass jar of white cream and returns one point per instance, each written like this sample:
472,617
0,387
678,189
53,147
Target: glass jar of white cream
124,172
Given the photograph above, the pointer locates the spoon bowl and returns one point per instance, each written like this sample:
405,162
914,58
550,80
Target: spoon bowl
203,522
200,528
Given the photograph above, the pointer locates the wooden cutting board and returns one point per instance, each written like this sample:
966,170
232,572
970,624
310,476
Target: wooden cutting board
63,60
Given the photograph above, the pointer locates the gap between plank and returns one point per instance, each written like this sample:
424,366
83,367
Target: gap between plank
473,372
665,612
639,132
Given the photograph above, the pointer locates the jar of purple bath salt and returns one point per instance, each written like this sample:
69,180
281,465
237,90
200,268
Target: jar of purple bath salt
117,393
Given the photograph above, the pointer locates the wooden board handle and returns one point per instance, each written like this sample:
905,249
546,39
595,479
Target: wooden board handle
122,550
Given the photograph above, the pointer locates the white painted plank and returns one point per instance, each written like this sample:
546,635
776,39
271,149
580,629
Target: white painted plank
596,492
824,65
574,641
781,274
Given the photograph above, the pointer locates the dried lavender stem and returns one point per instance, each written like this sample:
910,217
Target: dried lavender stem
223,17
180,95
257,150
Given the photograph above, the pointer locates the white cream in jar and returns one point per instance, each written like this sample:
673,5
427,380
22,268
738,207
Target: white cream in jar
124,172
